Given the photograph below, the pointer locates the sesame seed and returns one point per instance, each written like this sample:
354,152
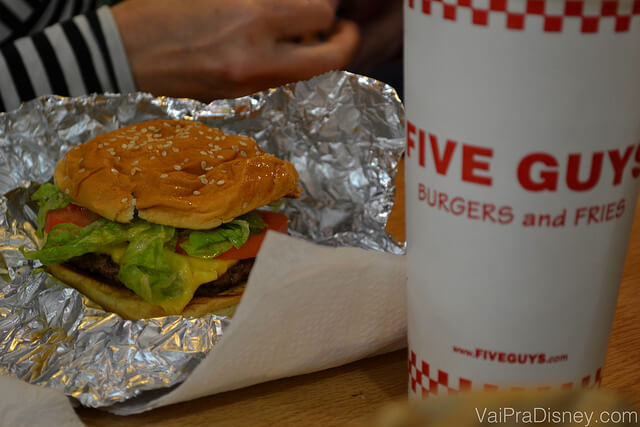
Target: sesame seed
204,180
244,144
209,137
157,135
149,147
106,144
217,148
217,138
220,182
201,133
244,205
176,167
124,200
186,160
117,158
100,145
124,146
114,170
164,154
196,193
203,164
204,153
67,191
175,150
209,168
210,145
152,158
164,175
143,130
235,148
220,156
243,154
82,170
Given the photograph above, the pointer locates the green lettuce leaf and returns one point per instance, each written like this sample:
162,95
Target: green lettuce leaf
66,241
256,224
212,243
49,197
144,268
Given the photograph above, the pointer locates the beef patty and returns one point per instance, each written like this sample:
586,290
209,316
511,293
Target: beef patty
105,269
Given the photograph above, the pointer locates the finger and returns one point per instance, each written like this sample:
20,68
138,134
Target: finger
306,61
298,18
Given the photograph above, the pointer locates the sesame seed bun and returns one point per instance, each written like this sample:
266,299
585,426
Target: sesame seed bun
174,172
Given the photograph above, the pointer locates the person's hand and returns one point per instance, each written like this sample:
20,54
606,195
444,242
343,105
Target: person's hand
208,49
381,29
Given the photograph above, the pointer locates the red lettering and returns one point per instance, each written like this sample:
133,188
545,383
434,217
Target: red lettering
501,357
620,208
442,163
610,211
580,213
549,178
506,215
593,214
421,192
442,201
421,149
457,206
470,165
411,130
573,172
619,163
487,210
473,207
493,355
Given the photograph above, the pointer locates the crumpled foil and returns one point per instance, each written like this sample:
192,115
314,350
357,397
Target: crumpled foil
343,132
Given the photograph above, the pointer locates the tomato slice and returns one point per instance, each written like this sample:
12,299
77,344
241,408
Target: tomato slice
71,213
275,221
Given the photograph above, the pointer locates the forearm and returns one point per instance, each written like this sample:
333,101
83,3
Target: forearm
82,55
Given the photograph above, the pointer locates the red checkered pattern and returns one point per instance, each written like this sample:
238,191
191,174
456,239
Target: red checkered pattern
426,381
553,14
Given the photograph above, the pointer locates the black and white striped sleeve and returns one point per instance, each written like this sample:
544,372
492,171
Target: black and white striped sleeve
79,56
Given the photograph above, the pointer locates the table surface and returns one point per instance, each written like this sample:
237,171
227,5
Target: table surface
353,393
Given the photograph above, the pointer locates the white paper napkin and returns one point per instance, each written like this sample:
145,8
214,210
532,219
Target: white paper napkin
306,308
23,404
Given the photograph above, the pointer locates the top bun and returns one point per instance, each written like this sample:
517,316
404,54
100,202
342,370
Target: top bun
174,172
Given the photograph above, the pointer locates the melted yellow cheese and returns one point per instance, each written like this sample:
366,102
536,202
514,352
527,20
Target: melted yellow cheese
192,272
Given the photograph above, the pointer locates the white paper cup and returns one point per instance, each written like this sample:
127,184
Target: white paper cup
522,162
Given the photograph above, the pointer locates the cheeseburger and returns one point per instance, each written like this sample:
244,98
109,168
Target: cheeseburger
160,218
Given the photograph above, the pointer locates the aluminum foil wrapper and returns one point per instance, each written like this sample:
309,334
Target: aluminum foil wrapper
343,132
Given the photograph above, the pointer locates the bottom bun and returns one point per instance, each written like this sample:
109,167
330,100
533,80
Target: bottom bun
130,306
